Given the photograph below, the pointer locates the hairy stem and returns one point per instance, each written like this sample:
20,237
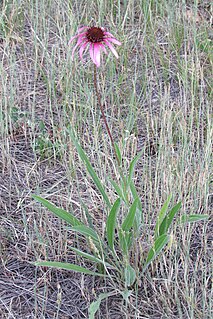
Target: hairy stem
105,121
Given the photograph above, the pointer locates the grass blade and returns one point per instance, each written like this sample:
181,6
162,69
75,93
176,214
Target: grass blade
67,266
111,223
159,244
59,212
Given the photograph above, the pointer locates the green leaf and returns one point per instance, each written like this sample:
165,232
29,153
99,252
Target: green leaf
129,220
86,255
111,223
59,212
117,189
118,152
132,167
90,257
86,231
125,240
161,215
61,265
135,194
95,305
130,275
168,219
90,169
193,218
139,212
159,244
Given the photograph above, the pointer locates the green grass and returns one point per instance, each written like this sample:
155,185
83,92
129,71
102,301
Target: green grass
158,100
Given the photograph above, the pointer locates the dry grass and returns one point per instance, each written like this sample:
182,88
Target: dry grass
158,99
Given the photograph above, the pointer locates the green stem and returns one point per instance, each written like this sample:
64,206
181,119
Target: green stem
105,122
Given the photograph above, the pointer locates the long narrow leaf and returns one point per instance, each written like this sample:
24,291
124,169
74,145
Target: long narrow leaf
132,167
193,218
111,223
129,220
61,265
168,219
139,212
90,169
91,257
161,215
86,231
123,241
59,212
135,194
118,152
159,244
86,255
117,189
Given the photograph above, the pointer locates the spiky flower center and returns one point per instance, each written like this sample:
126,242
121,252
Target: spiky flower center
95,34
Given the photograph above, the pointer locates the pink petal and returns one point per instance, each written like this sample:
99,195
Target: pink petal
97,55
91,52
83,46
109,34
103,48
111,48
80,40
113,40
76,36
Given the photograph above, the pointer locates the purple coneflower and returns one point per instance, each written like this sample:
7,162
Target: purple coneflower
97,38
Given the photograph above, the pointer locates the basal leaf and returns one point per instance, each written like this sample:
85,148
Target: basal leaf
129,220
59,212
193,218
159,244
130,275
161,215
86,231
168,219
111,223
61,265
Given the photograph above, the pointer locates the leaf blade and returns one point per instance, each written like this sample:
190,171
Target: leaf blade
192,218
168,219
59,212
67,266
129,220
87,232
158,245
111,223
161,215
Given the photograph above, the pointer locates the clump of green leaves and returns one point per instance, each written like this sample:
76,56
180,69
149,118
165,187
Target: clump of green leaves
111,251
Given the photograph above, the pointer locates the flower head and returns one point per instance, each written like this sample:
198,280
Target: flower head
96,39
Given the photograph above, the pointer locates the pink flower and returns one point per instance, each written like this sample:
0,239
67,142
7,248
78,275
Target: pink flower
96,39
